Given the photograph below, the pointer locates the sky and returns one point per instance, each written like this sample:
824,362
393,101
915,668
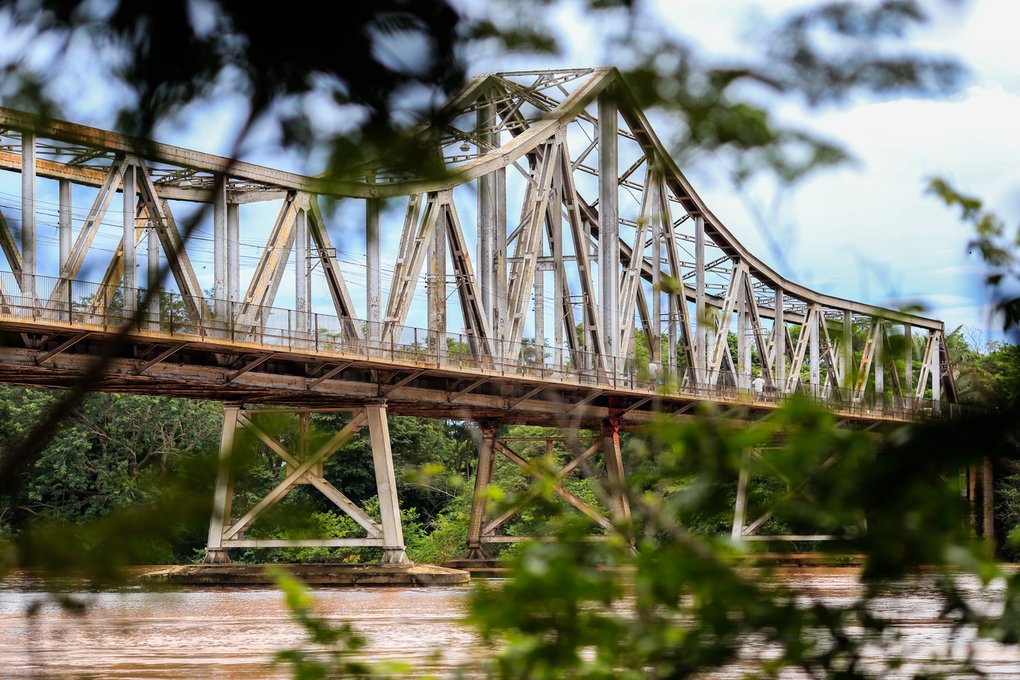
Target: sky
867,231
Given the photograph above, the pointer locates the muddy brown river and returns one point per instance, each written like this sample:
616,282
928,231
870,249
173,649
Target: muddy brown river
233,633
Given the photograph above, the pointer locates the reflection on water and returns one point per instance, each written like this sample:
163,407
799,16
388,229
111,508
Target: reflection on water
226,633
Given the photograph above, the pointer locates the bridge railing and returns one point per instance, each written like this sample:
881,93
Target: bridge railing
91,306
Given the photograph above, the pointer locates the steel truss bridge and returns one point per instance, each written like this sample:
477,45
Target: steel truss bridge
593,288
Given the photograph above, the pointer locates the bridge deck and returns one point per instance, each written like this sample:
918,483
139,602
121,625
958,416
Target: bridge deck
163,352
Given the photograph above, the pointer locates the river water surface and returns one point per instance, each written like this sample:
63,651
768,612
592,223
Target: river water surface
233,633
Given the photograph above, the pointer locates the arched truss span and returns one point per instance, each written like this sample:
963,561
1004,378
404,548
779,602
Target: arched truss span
566,244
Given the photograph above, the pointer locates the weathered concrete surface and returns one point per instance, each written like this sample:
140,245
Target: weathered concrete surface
313,574
482,568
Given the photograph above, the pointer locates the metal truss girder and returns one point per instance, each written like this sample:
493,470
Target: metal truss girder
89,229
807,330
338,498
720,345
571,202
415,239
10,247
925,373
269,271
527,249
334,277
467,286
631,283
172,243
867,357
280,490
558,489
751,305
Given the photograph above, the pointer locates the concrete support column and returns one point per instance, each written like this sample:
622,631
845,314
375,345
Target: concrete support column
28,205
483,477
301,273
617,480
64,221
130,283
609,224
215,553
373,272
936,370
386,484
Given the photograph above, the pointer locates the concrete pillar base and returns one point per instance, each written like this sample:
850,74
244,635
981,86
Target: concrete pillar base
476,552
216,556
394,556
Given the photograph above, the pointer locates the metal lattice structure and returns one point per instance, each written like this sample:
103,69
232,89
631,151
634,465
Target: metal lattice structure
592,284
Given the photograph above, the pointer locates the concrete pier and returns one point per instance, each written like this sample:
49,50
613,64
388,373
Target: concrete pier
413,575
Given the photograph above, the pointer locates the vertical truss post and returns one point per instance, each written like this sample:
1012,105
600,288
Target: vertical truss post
740,505
779,333
215,553
152,268
476,325
499,264
671,361
879,351
848,354
743,355
436,284
64,222
908,364
301,274
233,253
935,339
655,339
130,214
559,278
486,118
700,310
609,224
28,196
813,355
617,480
539,312
220,248
373,273
483,477
386,484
